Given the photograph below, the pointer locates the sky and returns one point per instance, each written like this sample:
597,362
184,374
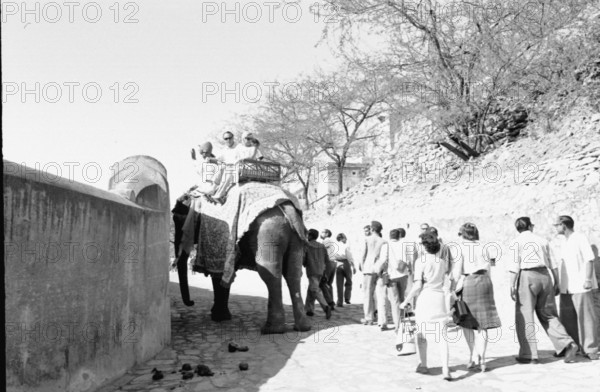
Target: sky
87,84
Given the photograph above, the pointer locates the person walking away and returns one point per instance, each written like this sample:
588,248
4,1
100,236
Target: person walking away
433,310
533,291
401,261
577,280
329,274
315,258
368,265
344,270
472,265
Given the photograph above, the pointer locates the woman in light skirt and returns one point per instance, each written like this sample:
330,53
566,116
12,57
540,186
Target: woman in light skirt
473,266
433,307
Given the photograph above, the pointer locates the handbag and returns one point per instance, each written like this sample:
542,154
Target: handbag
461,311
462,315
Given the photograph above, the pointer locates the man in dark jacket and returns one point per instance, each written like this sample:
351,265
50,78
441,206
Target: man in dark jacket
315,259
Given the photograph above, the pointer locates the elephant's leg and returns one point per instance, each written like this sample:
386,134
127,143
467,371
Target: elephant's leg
275,315
220,309
292,270
183,278
271,242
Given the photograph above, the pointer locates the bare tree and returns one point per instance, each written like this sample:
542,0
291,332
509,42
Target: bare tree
458,63
282,126
342,114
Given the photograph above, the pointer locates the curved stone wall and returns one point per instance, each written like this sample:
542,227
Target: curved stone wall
86,274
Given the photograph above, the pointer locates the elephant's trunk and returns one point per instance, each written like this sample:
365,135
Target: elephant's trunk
178,222
183,278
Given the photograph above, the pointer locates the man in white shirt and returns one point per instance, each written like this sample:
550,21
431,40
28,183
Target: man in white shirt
402,255
329,274
532,290
228,157
229,154
371,264
577,280
344,270
232,154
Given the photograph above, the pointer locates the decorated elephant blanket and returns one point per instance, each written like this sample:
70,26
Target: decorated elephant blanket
218,228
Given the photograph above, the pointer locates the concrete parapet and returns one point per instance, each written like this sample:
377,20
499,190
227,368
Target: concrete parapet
86,274
143,180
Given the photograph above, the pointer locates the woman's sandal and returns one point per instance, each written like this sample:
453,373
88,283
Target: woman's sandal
447,375
422,370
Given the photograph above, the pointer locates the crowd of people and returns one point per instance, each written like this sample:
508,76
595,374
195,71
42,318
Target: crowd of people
430,276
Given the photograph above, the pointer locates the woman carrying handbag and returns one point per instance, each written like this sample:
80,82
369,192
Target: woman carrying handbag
433,304
472,268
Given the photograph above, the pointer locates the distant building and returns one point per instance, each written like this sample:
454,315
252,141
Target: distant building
327,180
324,182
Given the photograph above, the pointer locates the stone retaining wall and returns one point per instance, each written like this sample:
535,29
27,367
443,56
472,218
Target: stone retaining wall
86,274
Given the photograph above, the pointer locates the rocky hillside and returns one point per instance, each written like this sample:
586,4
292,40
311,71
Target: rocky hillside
542,175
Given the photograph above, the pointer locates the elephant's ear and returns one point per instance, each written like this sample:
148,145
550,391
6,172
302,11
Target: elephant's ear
294,216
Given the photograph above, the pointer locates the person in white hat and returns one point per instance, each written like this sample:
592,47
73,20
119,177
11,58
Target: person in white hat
207,169
249,147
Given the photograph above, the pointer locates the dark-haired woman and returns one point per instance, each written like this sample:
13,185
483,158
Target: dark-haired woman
432,311
473,265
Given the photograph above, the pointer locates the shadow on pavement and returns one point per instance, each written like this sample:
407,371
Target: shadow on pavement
196,339
495,363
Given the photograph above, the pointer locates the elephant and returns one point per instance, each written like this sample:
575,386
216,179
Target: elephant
282,258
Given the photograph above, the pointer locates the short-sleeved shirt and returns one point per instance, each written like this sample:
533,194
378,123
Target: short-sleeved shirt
575,252
331,247
401,258
431,269
245,152
472,256
342,252
229,154
530,251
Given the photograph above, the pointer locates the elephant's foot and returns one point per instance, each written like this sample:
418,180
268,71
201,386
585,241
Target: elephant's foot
303,325
220,316
270,328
